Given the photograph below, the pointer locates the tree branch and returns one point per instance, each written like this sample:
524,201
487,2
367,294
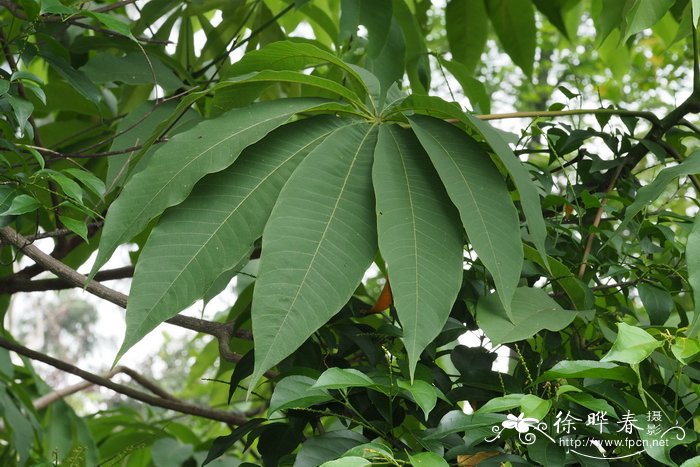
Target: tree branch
221,331
48,399
16,283
562,113
177,405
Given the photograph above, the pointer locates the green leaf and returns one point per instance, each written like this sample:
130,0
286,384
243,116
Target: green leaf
642,14
589,369
514,23
340,378
555,11
168,451
457,421
319,241
535,407
4,86
580,294
223,443
75,225
296,391
632,345
89,180
467,27
272,76
692,259
418,237
593,404
215,227
71,189
352,461
427,459
529,197
389,65
375,15
76,78
288,55
532,311
56,7
501,404
132,69
22,204
178,164
472,87
22,109
686,350
657,302
696,16
423,394
111,23
18,423
327,446
651,192
481,196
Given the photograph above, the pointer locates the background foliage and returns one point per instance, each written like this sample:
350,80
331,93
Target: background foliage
302,156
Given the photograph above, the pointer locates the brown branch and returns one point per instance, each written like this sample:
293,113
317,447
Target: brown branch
48,399
55,233
561,113
81,155
221,331
113,6
16,283
177,405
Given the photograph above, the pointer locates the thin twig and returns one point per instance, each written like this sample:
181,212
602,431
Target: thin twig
14,284
177,405
561,113
48,399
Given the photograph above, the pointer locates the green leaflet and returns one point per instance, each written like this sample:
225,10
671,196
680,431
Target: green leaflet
642,14
514,23
692,259
288,55
320,239
176,166
419,237
477,189
275,76
651,192
215,227
467,27
529,197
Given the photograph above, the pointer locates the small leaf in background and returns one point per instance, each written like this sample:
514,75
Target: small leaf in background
593,404
22,109
501,404
340,378
22,204
632,345
686,350
74,225
467,28
427,459
692,255
89,180
514,23
352,461
223,443
71,189
535,407
657,302
532,311
589,369
296,391
424,394
327,446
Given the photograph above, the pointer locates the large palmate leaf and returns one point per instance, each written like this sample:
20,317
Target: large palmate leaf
419,237
174,168
481,196
529,197
320,239
215,227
